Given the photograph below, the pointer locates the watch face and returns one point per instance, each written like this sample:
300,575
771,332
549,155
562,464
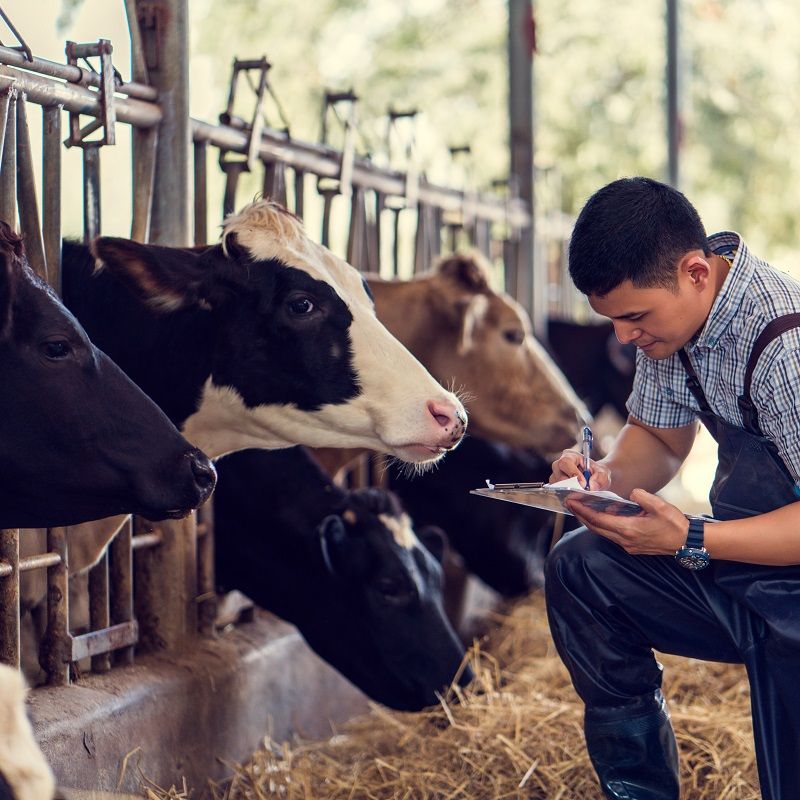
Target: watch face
693,557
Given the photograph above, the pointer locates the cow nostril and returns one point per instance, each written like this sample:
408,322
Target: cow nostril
441,414
205,475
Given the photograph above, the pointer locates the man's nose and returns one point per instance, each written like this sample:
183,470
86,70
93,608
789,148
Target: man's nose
626,333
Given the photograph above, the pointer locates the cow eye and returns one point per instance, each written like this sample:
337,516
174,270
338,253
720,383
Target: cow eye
514,336
394,590
300,306
57,350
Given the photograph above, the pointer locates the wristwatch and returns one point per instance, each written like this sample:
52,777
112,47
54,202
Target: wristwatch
693,555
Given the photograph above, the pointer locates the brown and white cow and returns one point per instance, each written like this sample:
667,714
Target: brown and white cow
479,341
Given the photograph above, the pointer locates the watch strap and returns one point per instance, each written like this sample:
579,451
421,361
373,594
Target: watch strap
696,533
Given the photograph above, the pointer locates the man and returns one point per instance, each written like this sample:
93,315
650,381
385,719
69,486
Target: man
702,313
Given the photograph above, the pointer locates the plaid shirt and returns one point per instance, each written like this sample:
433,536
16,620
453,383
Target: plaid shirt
754,293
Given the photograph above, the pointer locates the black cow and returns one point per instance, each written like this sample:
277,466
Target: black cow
502,543
266,340
345,567
599,367
78,440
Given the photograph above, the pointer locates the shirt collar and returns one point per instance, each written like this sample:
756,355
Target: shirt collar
733,290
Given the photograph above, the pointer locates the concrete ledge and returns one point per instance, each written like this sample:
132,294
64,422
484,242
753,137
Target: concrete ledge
189,713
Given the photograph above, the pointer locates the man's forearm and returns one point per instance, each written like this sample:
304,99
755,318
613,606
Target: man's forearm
642,459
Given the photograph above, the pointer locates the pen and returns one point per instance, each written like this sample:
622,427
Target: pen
586,452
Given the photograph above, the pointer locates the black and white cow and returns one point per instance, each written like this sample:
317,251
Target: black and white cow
345,567
266,340
502,543
24,773
78,440
598,366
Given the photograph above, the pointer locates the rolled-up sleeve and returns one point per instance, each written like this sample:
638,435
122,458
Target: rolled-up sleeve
652,401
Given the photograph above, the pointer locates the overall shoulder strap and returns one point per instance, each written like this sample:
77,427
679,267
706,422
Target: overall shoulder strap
693,383
772,330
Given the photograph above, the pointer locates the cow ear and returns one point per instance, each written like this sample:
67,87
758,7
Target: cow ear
472,313
166,278
434,539
333,544
470,270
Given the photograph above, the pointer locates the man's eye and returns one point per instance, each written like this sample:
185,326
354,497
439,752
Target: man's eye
300,306
57,350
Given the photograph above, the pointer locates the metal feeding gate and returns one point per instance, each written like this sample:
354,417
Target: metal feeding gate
153,587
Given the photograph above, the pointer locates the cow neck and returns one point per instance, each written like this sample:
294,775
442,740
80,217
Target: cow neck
169,356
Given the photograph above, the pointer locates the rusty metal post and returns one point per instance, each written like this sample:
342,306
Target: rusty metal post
200,193
120,558
374,234
356,238
51,192
91,191
165,591
233,171
26,195
99,612
327,206
9,598
206,589
275,181
164,35
56,647
396,242
5,98
8,165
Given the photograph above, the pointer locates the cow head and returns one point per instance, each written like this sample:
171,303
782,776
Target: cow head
393,639
300,356
78,440
474,338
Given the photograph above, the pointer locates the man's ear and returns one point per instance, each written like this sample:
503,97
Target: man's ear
166,278
696,267
472,312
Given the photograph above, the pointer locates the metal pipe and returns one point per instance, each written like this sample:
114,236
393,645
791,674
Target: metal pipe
55,647
325,162
99,612
47,92
9,599
144,541
206,596
51,192
91,191
8,166
200,193
5,97
145,146
121,579
73,74
299,193
26,196
30,562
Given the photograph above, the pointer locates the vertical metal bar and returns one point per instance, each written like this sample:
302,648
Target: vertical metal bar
327,203
673,94
374,234
200,193
420,250
99,614
145,145
299,193
165,591
232,169
56,647
26,195
138,64
9,598
8,166
275,181
356,234
396,242
5,101
164,30
51,192
120,558
206,594
91,191
521,41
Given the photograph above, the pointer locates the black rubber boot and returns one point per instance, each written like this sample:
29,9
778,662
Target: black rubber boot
633,750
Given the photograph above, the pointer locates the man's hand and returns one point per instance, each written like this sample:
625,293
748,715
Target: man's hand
659,531
570,464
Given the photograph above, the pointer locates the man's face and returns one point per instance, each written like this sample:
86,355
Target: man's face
658,321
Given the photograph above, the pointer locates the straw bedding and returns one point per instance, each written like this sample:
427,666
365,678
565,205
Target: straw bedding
515,733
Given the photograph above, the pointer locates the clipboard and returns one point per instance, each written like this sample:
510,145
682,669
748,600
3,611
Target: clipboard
553,497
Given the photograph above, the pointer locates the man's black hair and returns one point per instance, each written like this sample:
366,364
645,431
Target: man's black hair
633,229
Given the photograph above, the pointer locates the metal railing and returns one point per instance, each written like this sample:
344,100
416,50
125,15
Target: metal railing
153,587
